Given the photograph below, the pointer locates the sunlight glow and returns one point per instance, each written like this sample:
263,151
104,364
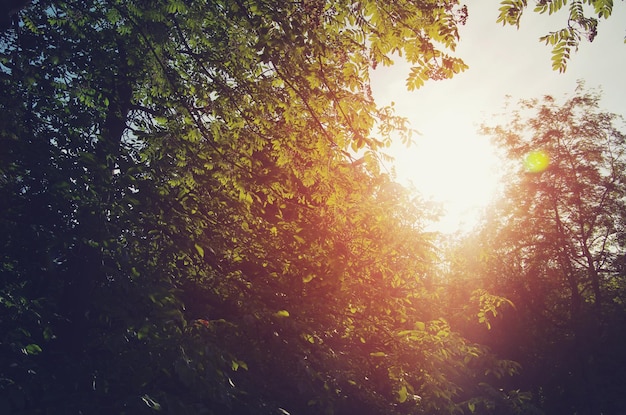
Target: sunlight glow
451,165
459,172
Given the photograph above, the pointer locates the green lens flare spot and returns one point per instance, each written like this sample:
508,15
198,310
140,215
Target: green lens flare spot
536,161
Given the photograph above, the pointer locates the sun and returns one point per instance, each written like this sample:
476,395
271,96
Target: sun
458,171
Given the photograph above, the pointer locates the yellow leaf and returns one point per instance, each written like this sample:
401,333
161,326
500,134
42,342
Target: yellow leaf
200,250
282,313
236,364
378,354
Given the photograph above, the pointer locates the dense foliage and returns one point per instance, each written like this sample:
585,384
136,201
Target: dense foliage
194,220
554,248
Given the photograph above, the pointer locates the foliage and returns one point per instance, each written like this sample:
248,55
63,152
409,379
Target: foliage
554,246
186,228
582,23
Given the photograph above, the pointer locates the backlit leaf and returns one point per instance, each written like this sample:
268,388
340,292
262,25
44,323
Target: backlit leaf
402,394
282,313
200,250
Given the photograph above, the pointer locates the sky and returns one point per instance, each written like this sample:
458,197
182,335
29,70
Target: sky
450,162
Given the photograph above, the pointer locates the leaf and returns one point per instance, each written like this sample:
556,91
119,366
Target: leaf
151,403
402,394
511,12
378,354
143,332
281,313
48,334
236,364
202,322
200,250
32,349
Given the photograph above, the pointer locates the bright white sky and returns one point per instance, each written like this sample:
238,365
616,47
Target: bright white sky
451,163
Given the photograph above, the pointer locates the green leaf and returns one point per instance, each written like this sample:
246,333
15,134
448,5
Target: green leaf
143,332
236,364
151,403
32,349
48,334
200,250
402,394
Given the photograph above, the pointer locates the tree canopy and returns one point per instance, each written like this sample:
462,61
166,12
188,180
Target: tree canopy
195,220
554,246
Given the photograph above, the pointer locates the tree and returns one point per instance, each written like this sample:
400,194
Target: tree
554,246
582,23
186,228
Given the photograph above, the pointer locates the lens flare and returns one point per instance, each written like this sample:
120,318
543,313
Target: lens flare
536,161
